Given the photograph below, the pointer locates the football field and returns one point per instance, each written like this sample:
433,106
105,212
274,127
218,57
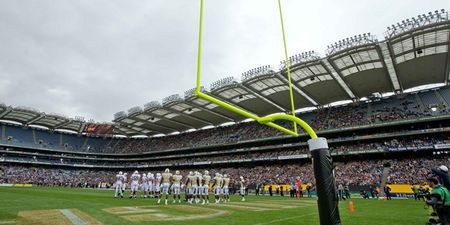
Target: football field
88,206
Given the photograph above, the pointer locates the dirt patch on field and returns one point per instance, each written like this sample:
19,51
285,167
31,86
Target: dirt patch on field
53,216
243,207
161,213
128,210
42,217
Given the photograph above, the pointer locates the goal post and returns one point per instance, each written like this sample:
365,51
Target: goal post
322,162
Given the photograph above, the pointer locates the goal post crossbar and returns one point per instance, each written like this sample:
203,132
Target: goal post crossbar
267,120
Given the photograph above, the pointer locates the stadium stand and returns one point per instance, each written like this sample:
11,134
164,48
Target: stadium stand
374,137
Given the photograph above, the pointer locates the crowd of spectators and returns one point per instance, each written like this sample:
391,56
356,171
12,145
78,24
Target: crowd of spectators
354,173
423,142
413,171
354,114
323,119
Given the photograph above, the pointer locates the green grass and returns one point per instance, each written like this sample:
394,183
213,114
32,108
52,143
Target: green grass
276,210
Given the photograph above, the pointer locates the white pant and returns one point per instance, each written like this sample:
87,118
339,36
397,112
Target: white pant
217,190
144,187
190,191
205,190
226,191
157,188
118,189
176,189
165,188
134,186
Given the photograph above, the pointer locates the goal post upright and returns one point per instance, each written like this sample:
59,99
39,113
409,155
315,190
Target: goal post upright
321,157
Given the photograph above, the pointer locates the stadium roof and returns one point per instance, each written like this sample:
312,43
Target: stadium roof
414,53
29,116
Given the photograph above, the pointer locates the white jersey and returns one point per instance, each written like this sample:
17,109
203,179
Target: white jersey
135,178
120,179
177,180
157,181
150,181
144,180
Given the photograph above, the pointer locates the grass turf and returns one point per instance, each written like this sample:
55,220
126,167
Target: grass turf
100,205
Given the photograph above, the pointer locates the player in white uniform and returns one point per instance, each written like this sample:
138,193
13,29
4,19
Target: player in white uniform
166,181
225,189
217,187
144,186
176,186
157,185
205,188
151,186
189,183
135,177
198,193
242,183
119,183
195,186
125,179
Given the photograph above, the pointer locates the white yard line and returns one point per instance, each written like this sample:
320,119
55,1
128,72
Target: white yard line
72,217
7,222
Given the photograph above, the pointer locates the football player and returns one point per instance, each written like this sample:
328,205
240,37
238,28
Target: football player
176,186
242,184
157,186
205,188
225,189
217,187
119,184
166,181
135,177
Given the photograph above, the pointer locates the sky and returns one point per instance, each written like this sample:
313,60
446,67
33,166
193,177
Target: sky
93,58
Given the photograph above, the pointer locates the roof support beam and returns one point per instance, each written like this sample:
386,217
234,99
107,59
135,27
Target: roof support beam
63,124
338,77
263,98
208,110
36,118
82,126
4,113
153,124
189,116
165,119
298,90
390,66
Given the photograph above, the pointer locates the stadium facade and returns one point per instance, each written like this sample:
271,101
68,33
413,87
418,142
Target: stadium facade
372,127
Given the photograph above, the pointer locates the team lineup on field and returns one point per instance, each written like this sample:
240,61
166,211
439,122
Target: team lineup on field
196,186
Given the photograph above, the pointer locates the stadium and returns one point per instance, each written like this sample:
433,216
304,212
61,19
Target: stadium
382,105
